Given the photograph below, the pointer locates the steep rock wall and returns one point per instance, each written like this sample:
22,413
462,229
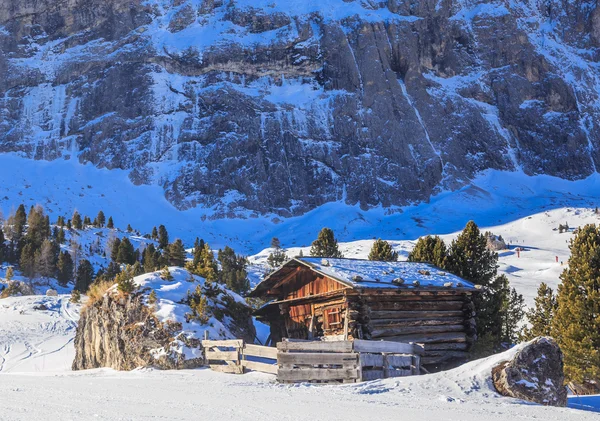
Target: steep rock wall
278,107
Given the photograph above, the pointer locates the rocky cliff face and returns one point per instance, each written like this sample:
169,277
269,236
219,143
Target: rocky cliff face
278,106
125,335
140,330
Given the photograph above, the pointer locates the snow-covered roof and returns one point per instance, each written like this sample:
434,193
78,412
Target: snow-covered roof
373,274
356,273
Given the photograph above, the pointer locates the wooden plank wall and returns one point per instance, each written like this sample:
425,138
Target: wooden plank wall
443,321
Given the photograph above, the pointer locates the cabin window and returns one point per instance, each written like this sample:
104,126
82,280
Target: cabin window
332,318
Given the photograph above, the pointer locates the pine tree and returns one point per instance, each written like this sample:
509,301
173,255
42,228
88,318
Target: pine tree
198,306
75,297
76,221
430,250
382,251
325,245
163,237
125,253
114,249
85,275
512,312
47,259
100,219
576,325
177,253
87,221
36,230
165,275
125,282
9,275
198,250
233,270
110,224
278,256
207,266
150,259
540,317
129,229
275,243
3,254
20,219
27,261
64,268
154,235
469,257
152,298
60,236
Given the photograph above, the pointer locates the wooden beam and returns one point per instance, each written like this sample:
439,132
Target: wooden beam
392,323
414,314
261,367
417,305
260,351
317,346
413,330
313,374
361,345
429,338
321,296
307,358
231,343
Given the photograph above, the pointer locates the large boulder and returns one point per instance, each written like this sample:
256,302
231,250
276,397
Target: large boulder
534,374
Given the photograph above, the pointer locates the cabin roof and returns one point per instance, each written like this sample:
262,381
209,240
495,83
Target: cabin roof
359,274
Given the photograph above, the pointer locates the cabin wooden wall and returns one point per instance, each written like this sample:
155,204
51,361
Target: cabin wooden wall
312,306
443,321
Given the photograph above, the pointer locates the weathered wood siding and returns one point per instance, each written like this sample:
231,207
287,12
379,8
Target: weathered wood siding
311,306
442,321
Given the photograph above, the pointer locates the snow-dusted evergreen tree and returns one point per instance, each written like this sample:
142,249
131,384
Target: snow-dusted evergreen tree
233,270
430,250
64,268
177,253
76,221
100,219
382,251
576,324
278,256
163,237
85,275
325,245
126,252
47,259
541,316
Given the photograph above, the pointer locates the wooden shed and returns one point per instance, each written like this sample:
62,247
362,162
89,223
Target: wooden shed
327,298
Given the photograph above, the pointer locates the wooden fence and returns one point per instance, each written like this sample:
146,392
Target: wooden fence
316,361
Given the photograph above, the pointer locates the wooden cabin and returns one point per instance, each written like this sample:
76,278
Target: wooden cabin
313,297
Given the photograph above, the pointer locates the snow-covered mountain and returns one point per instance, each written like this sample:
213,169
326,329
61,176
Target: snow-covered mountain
280,106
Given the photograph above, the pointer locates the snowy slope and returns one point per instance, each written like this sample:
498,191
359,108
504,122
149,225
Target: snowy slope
37,340
463,394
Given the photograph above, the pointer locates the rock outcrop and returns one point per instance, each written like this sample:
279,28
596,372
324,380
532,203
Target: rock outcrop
278,107
125,332
534,374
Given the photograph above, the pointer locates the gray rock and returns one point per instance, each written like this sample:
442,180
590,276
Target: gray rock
399,101
124,334
534,374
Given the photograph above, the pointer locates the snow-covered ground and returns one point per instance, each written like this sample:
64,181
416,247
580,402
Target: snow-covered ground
37,340
36,348
464,394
